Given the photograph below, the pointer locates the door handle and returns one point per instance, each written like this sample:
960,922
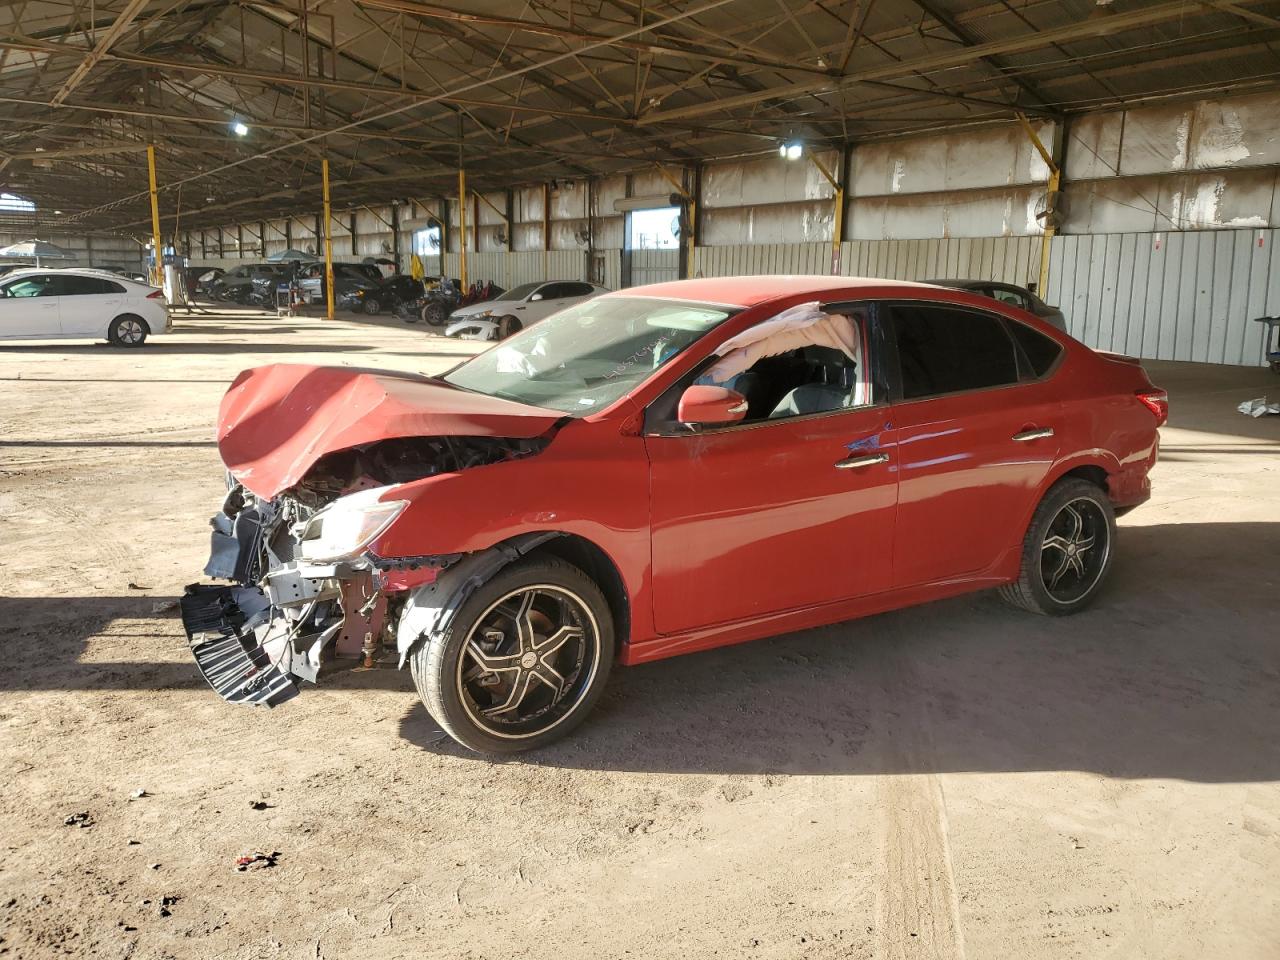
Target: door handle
852,463
1036,433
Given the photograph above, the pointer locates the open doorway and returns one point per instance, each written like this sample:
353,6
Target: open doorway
652,246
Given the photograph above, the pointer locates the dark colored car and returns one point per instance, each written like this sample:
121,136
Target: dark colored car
384,295
249,282
202,279
1012,294
347,277
657,471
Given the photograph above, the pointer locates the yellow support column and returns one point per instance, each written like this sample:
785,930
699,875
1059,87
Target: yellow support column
1055,178
837,225
462,229
328,241
157,272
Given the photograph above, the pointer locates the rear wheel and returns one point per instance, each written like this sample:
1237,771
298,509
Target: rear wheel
507,326
127,331
1067,551
524,660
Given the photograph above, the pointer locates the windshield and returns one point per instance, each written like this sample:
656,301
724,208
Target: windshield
585,357
520,292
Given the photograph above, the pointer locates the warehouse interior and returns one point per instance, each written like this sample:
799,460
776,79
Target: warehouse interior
939,782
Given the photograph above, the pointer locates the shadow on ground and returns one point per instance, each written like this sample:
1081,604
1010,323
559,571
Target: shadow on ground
1175,672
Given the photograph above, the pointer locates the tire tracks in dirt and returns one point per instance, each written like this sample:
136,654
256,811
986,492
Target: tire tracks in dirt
917,906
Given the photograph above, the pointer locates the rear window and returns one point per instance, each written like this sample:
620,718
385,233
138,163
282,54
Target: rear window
1041,352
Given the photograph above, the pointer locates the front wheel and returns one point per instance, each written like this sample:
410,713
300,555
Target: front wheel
434,314
127,331
524,660
507,326
371,306
1067,551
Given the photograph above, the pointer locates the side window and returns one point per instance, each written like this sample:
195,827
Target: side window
70,285
1005,295
1041,352
779,379
945,350
39,286
549,291
576,290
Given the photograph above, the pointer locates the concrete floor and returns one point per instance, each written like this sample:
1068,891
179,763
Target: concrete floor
958,779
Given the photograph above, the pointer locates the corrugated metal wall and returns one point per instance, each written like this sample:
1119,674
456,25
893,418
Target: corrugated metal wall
652,266
1169,296
511,269
1010,259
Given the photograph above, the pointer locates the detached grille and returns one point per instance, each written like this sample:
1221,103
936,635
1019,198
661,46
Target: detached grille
232,662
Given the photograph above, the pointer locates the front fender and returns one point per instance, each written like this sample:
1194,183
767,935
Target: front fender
430,608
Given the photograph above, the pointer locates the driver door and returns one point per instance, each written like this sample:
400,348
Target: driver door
770,515
30,307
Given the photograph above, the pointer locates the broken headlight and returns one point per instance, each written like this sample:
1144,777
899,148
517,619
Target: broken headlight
345,527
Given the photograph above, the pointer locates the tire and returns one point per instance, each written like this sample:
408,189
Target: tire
470,703
127,330
507,326
1275,366
1060,574
434,314
371,306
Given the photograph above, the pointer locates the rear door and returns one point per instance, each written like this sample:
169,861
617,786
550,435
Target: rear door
29,307
977,433
88,304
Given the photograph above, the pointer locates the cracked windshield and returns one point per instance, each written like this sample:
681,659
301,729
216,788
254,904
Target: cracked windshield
582,359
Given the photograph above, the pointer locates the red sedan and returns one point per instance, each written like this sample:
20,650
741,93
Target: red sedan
657,471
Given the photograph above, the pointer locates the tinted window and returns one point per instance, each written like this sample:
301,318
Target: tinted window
70,285
552,291
941,350
576,290
1041,351
1011,296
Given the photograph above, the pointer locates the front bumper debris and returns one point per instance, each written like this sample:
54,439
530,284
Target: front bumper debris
227,651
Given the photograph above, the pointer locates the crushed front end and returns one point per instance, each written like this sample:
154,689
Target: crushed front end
300,587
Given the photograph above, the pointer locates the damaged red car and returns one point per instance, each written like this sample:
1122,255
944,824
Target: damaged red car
658,471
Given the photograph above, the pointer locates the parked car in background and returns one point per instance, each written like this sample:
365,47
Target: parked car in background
1011,294
346,278
250,282
40,303
518,308
385,295
652,472
202,280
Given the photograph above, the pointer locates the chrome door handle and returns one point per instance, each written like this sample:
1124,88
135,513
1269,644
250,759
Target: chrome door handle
1038,433
852,463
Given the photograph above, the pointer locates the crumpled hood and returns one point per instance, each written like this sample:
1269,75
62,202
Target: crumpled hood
484,306
276,421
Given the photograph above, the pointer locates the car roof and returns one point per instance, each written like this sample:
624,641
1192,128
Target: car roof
749,291
78,271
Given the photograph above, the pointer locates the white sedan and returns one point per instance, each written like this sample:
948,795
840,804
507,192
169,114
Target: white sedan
41,304
517,309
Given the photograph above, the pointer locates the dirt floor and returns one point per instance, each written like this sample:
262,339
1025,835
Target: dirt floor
954,780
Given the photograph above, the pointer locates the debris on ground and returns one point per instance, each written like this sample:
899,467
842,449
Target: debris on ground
134,586
167,901
257,860
1258,407
155,866
164,606
259,805
138,794
81,820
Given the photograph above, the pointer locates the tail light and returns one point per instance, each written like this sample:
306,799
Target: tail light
1157,401
158,295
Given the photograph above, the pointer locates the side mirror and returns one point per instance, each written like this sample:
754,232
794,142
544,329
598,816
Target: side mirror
535,297
708,405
